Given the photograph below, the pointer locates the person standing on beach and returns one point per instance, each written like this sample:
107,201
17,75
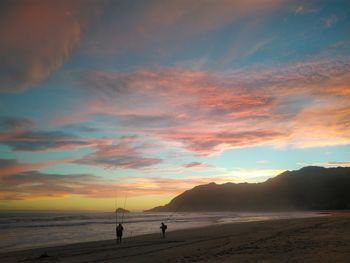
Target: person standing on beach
119,231
163,227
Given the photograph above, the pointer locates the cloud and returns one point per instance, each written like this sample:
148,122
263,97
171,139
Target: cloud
344,164
34,184
330,21
207,112
207,143
158,24
306,8
122,155
81,128
11,166
47,141
15,124
18,134
37,37
322,125
194,165
299,9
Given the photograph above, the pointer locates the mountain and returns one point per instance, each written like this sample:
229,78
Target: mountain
310,188
121,210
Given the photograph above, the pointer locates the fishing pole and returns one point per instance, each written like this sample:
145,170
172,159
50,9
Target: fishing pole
116,205
176,210
126,197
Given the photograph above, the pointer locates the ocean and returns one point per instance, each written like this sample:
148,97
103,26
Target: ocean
24,230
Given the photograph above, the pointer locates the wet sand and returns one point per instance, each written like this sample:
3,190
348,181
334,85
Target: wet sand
319,239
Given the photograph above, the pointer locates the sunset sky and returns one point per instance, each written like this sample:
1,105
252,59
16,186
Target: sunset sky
146,99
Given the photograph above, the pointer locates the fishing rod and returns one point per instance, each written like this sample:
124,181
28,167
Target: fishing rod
126,197
176,210
116,205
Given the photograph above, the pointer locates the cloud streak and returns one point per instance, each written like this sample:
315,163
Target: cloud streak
18,134
159,26
121,155
34,184
9,167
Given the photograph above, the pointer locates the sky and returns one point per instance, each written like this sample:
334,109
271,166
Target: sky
106,101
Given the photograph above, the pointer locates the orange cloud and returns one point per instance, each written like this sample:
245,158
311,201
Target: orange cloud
37,37
34,184
343,164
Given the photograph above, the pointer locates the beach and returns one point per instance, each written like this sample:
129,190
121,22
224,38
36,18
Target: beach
317,239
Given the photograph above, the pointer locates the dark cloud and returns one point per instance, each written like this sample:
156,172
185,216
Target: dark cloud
5,163
42,141
148,121
15,124
81,128
18,136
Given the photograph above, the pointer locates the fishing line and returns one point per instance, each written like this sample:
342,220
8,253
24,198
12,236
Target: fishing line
116,205
126,197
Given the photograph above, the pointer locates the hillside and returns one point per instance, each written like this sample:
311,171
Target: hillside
310,188
121,210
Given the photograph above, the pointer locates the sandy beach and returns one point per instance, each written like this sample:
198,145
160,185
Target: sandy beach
319,239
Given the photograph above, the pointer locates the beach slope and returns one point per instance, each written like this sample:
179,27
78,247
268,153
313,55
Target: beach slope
319,239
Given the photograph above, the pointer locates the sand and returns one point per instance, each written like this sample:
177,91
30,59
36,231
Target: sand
319,239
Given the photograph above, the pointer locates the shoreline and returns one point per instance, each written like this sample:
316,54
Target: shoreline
224,242
237,217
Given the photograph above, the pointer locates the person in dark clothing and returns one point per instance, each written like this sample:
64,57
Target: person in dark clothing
163,227
119,231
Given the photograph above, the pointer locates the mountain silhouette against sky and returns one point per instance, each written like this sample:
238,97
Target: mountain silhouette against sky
310,188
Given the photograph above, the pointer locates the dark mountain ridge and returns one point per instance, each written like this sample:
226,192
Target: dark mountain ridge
310,188
121,210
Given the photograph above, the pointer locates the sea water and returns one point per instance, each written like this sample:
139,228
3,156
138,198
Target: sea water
23,230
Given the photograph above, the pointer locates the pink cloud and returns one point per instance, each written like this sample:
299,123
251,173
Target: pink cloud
207,112
122,155
37,37
194,165
343,164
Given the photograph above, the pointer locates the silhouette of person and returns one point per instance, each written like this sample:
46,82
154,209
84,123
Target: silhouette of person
163,227
119,231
